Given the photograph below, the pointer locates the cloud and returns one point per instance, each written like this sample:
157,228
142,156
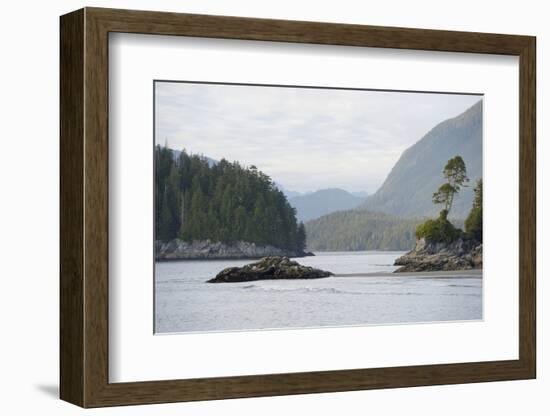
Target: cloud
305,139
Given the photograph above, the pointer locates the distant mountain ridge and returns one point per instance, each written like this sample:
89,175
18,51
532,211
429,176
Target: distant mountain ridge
288,193
407,190
325,201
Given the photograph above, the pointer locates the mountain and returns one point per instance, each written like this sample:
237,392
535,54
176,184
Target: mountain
322,202
356,230
288,193
408,189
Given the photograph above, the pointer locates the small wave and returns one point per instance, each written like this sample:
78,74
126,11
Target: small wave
469,286
335,291
328,290
282,289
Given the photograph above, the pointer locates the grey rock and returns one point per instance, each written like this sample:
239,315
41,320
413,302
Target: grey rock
205,249
427,255
273,267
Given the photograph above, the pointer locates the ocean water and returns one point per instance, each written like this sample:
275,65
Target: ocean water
369,294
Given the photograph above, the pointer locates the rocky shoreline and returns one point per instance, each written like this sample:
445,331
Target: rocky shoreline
269,268
462,254
214,250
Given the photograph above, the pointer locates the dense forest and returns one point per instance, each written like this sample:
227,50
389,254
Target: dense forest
358,229
196,199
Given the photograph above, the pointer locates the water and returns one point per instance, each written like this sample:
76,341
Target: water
185,303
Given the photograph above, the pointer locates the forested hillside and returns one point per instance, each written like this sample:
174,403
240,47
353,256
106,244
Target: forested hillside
407,191
356,230
198,200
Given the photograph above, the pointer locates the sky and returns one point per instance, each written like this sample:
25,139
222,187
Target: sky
305,139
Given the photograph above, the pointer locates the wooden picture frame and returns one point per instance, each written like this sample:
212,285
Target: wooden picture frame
84,207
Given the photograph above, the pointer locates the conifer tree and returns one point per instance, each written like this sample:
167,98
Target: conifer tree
474,222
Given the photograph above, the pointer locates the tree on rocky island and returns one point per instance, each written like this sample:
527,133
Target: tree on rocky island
441,229
455,173
460,250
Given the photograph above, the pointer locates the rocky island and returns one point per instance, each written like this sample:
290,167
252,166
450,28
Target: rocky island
461,254
177,249
440,245
269,268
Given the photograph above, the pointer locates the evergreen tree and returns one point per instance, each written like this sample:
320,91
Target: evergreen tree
301,237
474,223
455,173
441,229
165,225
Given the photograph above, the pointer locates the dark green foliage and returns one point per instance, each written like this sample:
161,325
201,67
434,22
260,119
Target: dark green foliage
444,195
198,200
356,230
301,237
455,173
439,230
474,222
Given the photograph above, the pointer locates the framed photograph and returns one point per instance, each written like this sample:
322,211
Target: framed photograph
254,207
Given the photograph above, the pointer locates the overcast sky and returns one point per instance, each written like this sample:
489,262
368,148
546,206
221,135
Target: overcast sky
305,139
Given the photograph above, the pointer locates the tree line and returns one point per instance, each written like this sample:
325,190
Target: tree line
197,200
357,230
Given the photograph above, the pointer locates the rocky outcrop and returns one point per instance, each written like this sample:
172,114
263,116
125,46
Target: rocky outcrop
269,268
179,250
461,254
